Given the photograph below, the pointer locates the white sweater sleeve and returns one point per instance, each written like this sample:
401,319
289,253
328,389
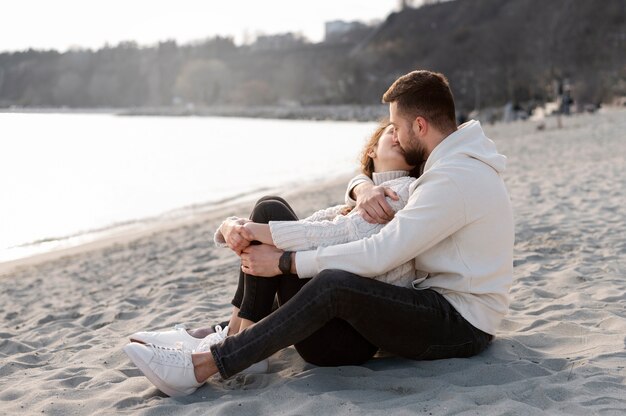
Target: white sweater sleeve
218,237
324,214
435,210
359,179
305,235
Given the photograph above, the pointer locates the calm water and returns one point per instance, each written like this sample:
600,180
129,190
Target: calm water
65,174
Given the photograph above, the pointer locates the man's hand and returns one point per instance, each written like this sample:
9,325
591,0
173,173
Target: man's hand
261,260
237,237
371,203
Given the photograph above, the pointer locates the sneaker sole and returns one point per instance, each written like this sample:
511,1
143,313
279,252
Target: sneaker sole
153,377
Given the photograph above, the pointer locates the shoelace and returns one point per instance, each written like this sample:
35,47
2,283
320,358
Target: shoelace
169,355
219,335
222,333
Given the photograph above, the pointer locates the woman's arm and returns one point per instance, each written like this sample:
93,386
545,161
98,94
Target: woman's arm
306,235
260,232
300,235
325,214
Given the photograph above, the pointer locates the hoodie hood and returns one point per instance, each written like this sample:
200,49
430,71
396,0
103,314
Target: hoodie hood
469,140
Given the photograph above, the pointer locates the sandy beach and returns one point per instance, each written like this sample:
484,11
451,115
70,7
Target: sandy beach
561,350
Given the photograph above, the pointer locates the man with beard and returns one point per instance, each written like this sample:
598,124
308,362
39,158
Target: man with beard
457,226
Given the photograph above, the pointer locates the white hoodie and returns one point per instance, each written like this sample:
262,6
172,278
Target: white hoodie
457,226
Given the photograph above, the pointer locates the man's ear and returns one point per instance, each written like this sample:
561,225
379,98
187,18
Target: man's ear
420,126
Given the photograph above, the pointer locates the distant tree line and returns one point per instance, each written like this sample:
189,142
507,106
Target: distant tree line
492,51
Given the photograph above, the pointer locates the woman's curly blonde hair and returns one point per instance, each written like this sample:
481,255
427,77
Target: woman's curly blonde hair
367,163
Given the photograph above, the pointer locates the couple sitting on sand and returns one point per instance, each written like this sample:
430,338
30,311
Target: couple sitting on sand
433,282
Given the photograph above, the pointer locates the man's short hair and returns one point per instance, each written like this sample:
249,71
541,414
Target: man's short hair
427,94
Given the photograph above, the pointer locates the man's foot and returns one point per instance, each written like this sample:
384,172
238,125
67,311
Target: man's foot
178,337
170,370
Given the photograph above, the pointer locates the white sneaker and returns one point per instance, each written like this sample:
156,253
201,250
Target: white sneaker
178,337
216,337
220,335
169,369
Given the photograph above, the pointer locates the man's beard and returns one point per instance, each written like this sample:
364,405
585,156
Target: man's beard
414,155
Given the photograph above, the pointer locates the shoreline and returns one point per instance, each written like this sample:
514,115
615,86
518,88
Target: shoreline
181,217
127,231
342,112
318,112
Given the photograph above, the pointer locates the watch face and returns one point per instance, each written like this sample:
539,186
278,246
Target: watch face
284,263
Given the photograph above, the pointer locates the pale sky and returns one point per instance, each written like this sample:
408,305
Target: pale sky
61,24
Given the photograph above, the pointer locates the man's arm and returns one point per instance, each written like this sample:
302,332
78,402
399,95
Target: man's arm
435,211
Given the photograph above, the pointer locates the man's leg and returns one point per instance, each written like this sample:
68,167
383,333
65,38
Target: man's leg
336,343
407,322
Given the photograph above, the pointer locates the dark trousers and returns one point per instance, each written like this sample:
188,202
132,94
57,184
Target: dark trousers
338,318
255,295
336,343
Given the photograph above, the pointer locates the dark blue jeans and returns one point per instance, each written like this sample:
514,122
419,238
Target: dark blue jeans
338,318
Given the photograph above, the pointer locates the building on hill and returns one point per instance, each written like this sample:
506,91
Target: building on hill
279,41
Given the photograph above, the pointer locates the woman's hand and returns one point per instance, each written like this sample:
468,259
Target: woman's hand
371,203
235,234
261,260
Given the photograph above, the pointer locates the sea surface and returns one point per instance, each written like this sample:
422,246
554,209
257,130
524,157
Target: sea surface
66,179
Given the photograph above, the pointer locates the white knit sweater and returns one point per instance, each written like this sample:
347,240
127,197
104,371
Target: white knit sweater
328,227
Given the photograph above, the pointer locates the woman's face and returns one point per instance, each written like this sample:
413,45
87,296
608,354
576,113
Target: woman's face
388,155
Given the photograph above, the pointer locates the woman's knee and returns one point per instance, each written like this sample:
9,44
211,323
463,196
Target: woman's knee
269,198
271,210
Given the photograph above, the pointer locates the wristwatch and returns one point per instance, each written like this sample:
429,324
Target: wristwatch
284,263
